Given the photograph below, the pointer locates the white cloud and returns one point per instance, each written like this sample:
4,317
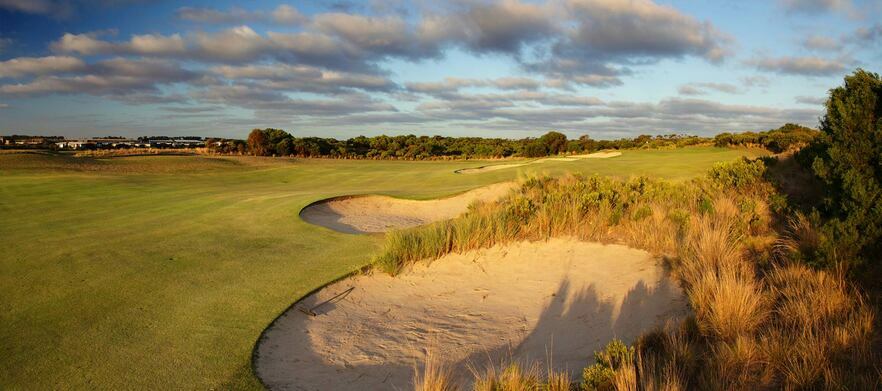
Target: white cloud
702,88
870,34
811,100
116,76
45,7
756,81
819,42
643,28
286,14
144,45
587,42
806,66
24,66
303,78
283,15
323,68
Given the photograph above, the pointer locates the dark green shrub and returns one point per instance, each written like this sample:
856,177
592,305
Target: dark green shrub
848,158
599,376
535,149
739,174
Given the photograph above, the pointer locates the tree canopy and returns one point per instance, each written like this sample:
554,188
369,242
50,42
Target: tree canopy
267,142
787,137
848,158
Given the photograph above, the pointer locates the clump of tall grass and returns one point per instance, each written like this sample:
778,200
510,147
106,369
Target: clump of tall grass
762,317
589,208
512,376
521,377
435,376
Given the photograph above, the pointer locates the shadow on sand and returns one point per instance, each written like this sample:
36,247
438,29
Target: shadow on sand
584,319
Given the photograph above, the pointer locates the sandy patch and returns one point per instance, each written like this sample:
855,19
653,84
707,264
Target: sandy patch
599,155
365,214
571,158
562,298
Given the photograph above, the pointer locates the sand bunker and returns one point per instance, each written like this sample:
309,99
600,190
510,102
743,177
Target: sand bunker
571,158
365,214
562,298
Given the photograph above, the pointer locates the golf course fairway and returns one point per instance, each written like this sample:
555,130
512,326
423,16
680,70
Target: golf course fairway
160,272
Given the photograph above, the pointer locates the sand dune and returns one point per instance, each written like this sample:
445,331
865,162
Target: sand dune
563,298
366,214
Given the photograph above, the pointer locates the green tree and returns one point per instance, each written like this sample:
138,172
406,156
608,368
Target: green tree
535,149
555,142
588,144
258,145
849,161
283,148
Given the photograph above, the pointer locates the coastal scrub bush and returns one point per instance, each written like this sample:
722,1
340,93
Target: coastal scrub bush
739,174
847,158
601,375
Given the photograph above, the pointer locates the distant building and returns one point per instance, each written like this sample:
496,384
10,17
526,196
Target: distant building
113,142
30,141
76,144
176,142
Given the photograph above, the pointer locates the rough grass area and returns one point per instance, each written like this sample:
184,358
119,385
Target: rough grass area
160,272
762,318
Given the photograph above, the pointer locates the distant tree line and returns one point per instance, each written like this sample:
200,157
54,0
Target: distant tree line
787,137
277,142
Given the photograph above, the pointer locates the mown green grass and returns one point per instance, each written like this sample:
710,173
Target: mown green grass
161,272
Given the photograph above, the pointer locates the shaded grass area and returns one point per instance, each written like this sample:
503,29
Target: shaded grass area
161,272
762,318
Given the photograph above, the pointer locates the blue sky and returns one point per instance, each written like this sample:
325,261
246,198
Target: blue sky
491,68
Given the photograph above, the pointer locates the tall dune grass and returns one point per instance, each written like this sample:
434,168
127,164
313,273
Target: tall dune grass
434,376
762,318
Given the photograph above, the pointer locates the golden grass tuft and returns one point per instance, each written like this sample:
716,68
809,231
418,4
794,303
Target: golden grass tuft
559,381
435,376
514,377
727,306
762,318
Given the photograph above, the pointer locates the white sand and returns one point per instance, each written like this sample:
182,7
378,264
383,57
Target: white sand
571,158
562,298
380,213
599,155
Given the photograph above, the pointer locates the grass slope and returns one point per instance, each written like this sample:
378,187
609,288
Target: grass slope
161,272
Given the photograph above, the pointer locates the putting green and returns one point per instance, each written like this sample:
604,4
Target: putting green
161,271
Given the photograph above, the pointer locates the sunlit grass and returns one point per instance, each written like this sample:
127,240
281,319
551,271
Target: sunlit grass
160,272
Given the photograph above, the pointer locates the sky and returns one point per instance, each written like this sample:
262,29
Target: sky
488,68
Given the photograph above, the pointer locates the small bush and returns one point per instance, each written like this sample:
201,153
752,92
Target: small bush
740,174
602,374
